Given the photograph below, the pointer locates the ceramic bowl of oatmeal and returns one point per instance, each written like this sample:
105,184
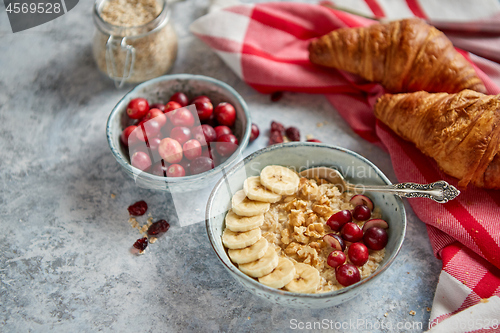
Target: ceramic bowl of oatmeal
155,174
303,242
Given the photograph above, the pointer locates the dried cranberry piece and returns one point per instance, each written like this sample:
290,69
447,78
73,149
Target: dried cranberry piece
293,133
276,96
275,126
141,244
157,228
275,137
138,209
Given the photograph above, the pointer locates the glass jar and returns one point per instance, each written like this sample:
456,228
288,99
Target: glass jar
133,54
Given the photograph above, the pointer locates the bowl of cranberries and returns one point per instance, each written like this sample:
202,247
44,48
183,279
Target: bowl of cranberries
176,133
360,236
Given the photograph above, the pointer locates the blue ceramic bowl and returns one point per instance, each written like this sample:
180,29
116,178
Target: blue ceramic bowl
159,90
301,156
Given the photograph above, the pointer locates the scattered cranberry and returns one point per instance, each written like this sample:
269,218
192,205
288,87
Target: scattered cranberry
149,129
225,114
222,130
192,149
361,213
254,132
180,98
175,170
201,164
182,117
154,143
275,126
293,133
180,134
275,137
358,254
140,160
375,238
351,232
226,145
138,209
337,220
314,140
205,134
124,137
137,108
157,115
347,274
170,150
336,258
276,96
171,106
159,106
158,228
141,244
204,109
202,98
159,169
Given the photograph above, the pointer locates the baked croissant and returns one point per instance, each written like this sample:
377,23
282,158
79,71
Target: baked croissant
404,56
461,132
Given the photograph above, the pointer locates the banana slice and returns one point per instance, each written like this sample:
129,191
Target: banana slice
254,190
238,223
243,206
282,274
249,254
279,179
263,266
306,279
240,240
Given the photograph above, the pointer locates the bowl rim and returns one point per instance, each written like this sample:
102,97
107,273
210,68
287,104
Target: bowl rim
232,268
177,180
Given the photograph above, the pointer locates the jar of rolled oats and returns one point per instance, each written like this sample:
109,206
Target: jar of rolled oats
134,40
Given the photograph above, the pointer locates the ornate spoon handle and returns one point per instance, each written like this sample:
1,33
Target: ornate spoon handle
439,191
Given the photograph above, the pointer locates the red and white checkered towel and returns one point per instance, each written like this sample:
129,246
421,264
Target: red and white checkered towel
266,45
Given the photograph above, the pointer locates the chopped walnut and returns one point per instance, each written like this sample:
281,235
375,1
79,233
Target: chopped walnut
315,230
308,190
311,218
288,199
292,248
285,236
296,218
316,245
308,255
298,235
301,205
322,210
290,205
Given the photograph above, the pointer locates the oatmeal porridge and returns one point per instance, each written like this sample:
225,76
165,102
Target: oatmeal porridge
303,235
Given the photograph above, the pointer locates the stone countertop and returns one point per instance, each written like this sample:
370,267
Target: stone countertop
65,263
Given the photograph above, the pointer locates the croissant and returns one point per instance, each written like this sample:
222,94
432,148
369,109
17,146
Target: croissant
461,132
404,56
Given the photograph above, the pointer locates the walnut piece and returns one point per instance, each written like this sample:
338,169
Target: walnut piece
296,218
298,235
322,210
315,230
285,236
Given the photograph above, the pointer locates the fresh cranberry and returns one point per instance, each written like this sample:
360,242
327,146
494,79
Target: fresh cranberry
140,160
375,238
222,130
137,108
158,228
276,96
171,106
157,115
276,126
186,164
335,241
124,137
211,121
358,254
275,137
192,149
182,117
347,274
170,150
141,244
154,143
204,109
138,209
336,258
225,114
337,220
159,106
201,164
293,133
361,213
180,98
207,152
149,129
175,170
159,169
314,140
202,98
205,134
351,232
226,145
181,134
254,134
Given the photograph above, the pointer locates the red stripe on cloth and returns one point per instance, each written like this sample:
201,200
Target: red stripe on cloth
439,240
375,8
416,9
449,252
269,89
249,49
489,283
220,43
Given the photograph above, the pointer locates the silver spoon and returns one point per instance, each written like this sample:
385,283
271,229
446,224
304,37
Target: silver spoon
439,191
